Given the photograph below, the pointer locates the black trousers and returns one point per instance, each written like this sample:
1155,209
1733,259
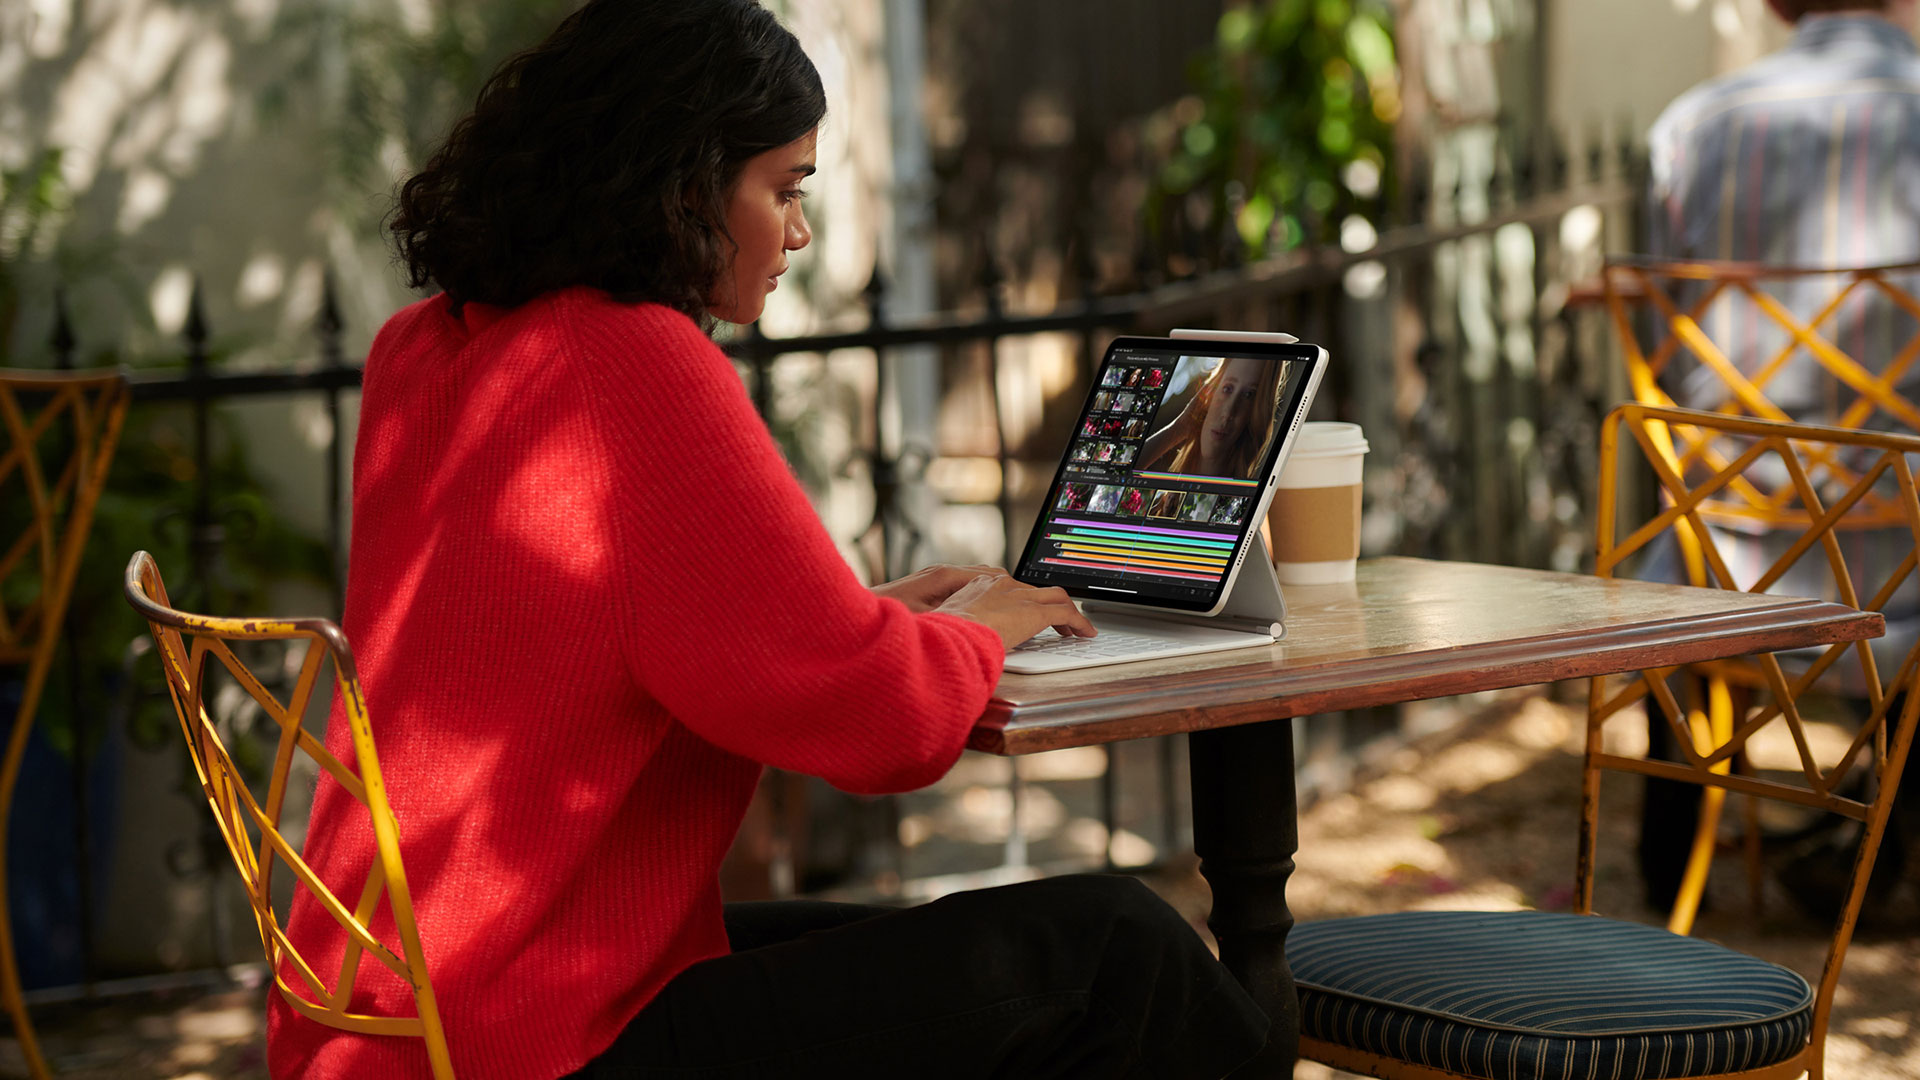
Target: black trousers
1086,976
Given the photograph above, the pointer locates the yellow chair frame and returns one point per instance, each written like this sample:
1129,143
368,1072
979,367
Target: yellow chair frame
1628,280
252,830
1709,747
1632,280
94,404
1884,739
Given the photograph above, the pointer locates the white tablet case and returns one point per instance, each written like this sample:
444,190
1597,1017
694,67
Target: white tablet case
1255,604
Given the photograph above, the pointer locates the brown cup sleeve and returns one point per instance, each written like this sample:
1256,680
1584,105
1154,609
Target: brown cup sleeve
1315,524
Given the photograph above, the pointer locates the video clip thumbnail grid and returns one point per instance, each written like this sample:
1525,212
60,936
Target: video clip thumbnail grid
1118,421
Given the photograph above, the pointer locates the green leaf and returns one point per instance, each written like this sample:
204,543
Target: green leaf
1336,136
1200,140
1236,30
1371,48
1254,221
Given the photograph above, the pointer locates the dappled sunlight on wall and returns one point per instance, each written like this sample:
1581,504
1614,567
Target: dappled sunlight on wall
145,99
170,170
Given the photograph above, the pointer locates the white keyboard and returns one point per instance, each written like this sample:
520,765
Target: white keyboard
1049,651
1109,643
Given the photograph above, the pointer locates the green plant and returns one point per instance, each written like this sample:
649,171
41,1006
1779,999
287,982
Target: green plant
148,505
1291,125
37,249
149,493
32,200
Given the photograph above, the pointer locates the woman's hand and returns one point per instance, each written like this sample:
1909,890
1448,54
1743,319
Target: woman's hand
925,590
1014,611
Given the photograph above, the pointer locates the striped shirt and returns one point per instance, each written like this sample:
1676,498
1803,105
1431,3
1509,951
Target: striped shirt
1809,157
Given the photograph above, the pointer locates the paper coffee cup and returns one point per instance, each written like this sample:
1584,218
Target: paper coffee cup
1314,520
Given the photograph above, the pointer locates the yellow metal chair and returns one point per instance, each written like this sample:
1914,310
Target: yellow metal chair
252,828
1836,388
1429,995
1858,392
61,429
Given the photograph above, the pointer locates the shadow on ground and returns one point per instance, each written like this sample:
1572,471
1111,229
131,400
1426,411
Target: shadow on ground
1483,817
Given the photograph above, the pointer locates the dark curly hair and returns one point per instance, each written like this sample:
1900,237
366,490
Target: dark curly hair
603,156
1795,10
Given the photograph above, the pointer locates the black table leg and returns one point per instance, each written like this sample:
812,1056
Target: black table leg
1245,830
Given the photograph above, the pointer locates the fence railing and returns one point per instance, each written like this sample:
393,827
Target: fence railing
1480,394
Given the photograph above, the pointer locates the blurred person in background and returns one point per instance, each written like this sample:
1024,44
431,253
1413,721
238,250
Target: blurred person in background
1809,157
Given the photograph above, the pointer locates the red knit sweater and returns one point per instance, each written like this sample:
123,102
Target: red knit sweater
588,601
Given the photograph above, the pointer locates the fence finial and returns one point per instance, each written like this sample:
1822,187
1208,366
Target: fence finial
1146,256
63,340
1627,150
329,323
195,331
875,294
1416,185
991,280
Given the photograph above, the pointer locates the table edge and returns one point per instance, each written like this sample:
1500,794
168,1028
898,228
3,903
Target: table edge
1218,697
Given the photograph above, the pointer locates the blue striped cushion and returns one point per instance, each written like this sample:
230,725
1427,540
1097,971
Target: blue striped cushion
1528,995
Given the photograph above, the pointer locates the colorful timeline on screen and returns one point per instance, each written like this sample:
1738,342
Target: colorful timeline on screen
1106,545
1222,480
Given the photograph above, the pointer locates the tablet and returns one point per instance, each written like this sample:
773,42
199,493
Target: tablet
1171,466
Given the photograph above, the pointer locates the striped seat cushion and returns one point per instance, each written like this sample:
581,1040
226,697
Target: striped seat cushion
1528,995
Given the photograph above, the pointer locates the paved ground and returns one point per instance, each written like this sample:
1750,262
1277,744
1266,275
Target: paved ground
1482,818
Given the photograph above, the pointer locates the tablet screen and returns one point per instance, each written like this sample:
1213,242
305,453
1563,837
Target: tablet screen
1162,481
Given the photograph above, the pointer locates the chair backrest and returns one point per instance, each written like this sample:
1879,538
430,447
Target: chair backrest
61,429
1824,493
252,827
1736,324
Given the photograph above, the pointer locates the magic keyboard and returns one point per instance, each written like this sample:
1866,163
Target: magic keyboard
1049,651
1109,643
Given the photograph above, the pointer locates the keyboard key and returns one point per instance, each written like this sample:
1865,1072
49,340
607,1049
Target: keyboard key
1109,643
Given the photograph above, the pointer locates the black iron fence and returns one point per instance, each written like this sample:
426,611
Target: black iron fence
1480,393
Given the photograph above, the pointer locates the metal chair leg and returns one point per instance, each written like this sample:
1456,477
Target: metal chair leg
10,992
1710,729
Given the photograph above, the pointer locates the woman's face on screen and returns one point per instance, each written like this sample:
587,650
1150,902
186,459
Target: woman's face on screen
1232,408
765,216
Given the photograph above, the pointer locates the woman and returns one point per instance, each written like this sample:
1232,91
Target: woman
1224,428
590,602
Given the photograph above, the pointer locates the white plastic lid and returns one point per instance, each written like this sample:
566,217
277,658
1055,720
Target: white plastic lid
1328,438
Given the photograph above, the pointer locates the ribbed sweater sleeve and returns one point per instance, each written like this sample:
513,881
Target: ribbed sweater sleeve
737,611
